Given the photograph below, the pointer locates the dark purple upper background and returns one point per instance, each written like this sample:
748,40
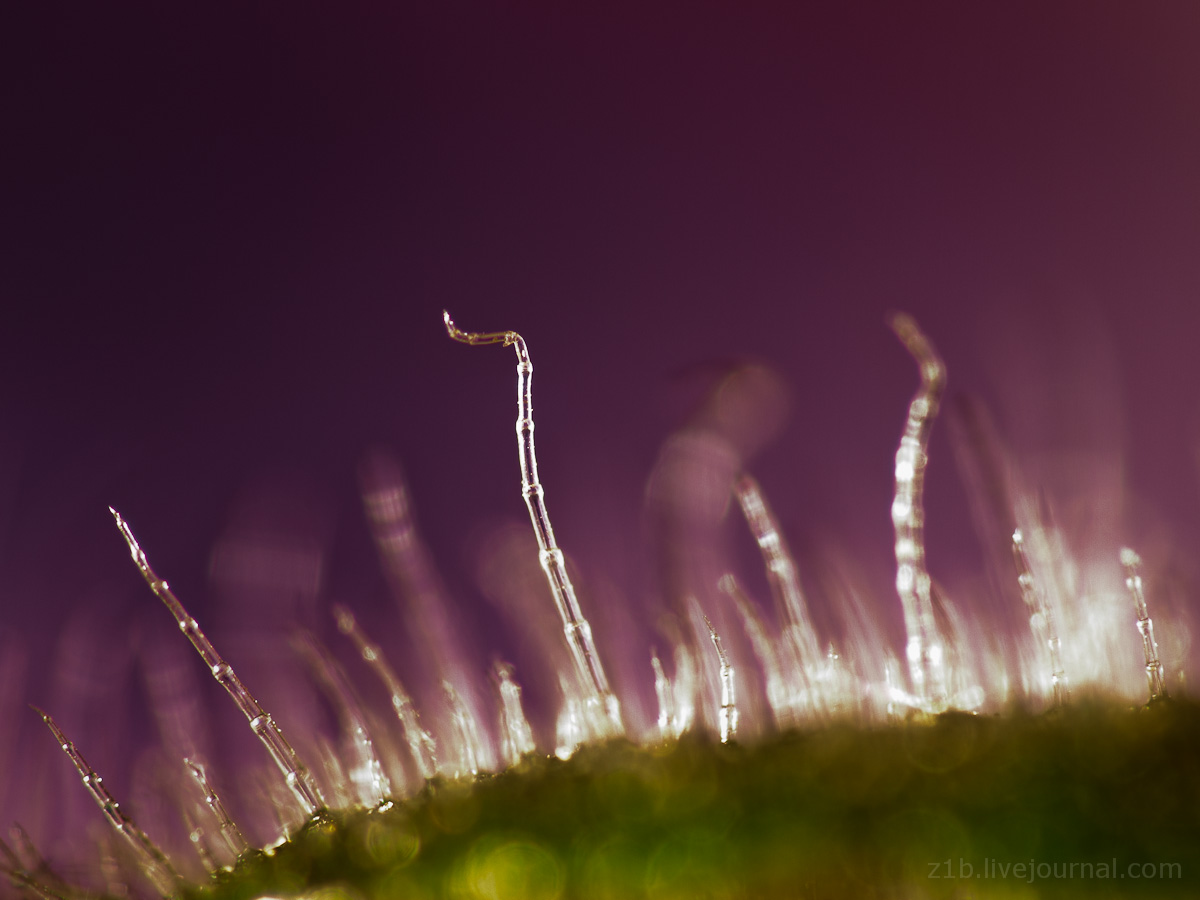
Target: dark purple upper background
228,236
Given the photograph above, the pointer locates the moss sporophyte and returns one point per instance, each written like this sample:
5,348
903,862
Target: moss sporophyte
774,768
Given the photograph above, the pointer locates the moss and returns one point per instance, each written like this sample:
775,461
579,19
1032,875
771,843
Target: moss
896,811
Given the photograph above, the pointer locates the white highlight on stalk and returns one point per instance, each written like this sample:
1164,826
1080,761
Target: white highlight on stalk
662,692
570,730
371,784
466,734
234,839
298,778
835,684
684,688
779,696
516,737
1041,619
153,861
676,699
727,717
799,637
417,588
575,626
925,645
420,742
196,835
1133,580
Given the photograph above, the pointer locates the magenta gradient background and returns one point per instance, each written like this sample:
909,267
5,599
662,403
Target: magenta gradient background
229,235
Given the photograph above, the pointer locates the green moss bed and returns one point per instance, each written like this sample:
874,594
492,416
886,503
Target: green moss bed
1092,801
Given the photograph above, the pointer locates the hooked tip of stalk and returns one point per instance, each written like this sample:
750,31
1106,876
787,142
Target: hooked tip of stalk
478,338
902,323
344,617
45,716
933,370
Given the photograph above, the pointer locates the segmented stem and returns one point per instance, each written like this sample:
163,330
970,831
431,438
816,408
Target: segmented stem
21,874
576,627
467,734
727,717
780,697
420,742
22,879
925,648
662,692
153,861
516,735
14,864
298,778
798,633
234,839
1043,618
370,782
1133,580
32,858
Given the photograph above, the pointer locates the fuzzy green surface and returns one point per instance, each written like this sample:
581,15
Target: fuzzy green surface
840,811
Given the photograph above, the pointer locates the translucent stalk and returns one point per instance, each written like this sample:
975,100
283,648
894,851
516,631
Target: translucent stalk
1133,580
420,742
925,648
899,701
22,877
416,585
571,728
14,864
33,860
1042,618
781,572
470,743
199,842
662,691
337,782
516,735
684,688
232,835
153,861
298,778
371,785
576,627
727,717
779,697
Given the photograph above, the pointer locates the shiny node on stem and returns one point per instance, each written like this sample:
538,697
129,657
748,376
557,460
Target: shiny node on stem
420,742
727,714
1145,625
925,643
1041,619
234,839
297,776
591,675
153,861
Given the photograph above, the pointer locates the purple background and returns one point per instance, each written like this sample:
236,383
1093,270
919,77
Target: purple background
229,235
